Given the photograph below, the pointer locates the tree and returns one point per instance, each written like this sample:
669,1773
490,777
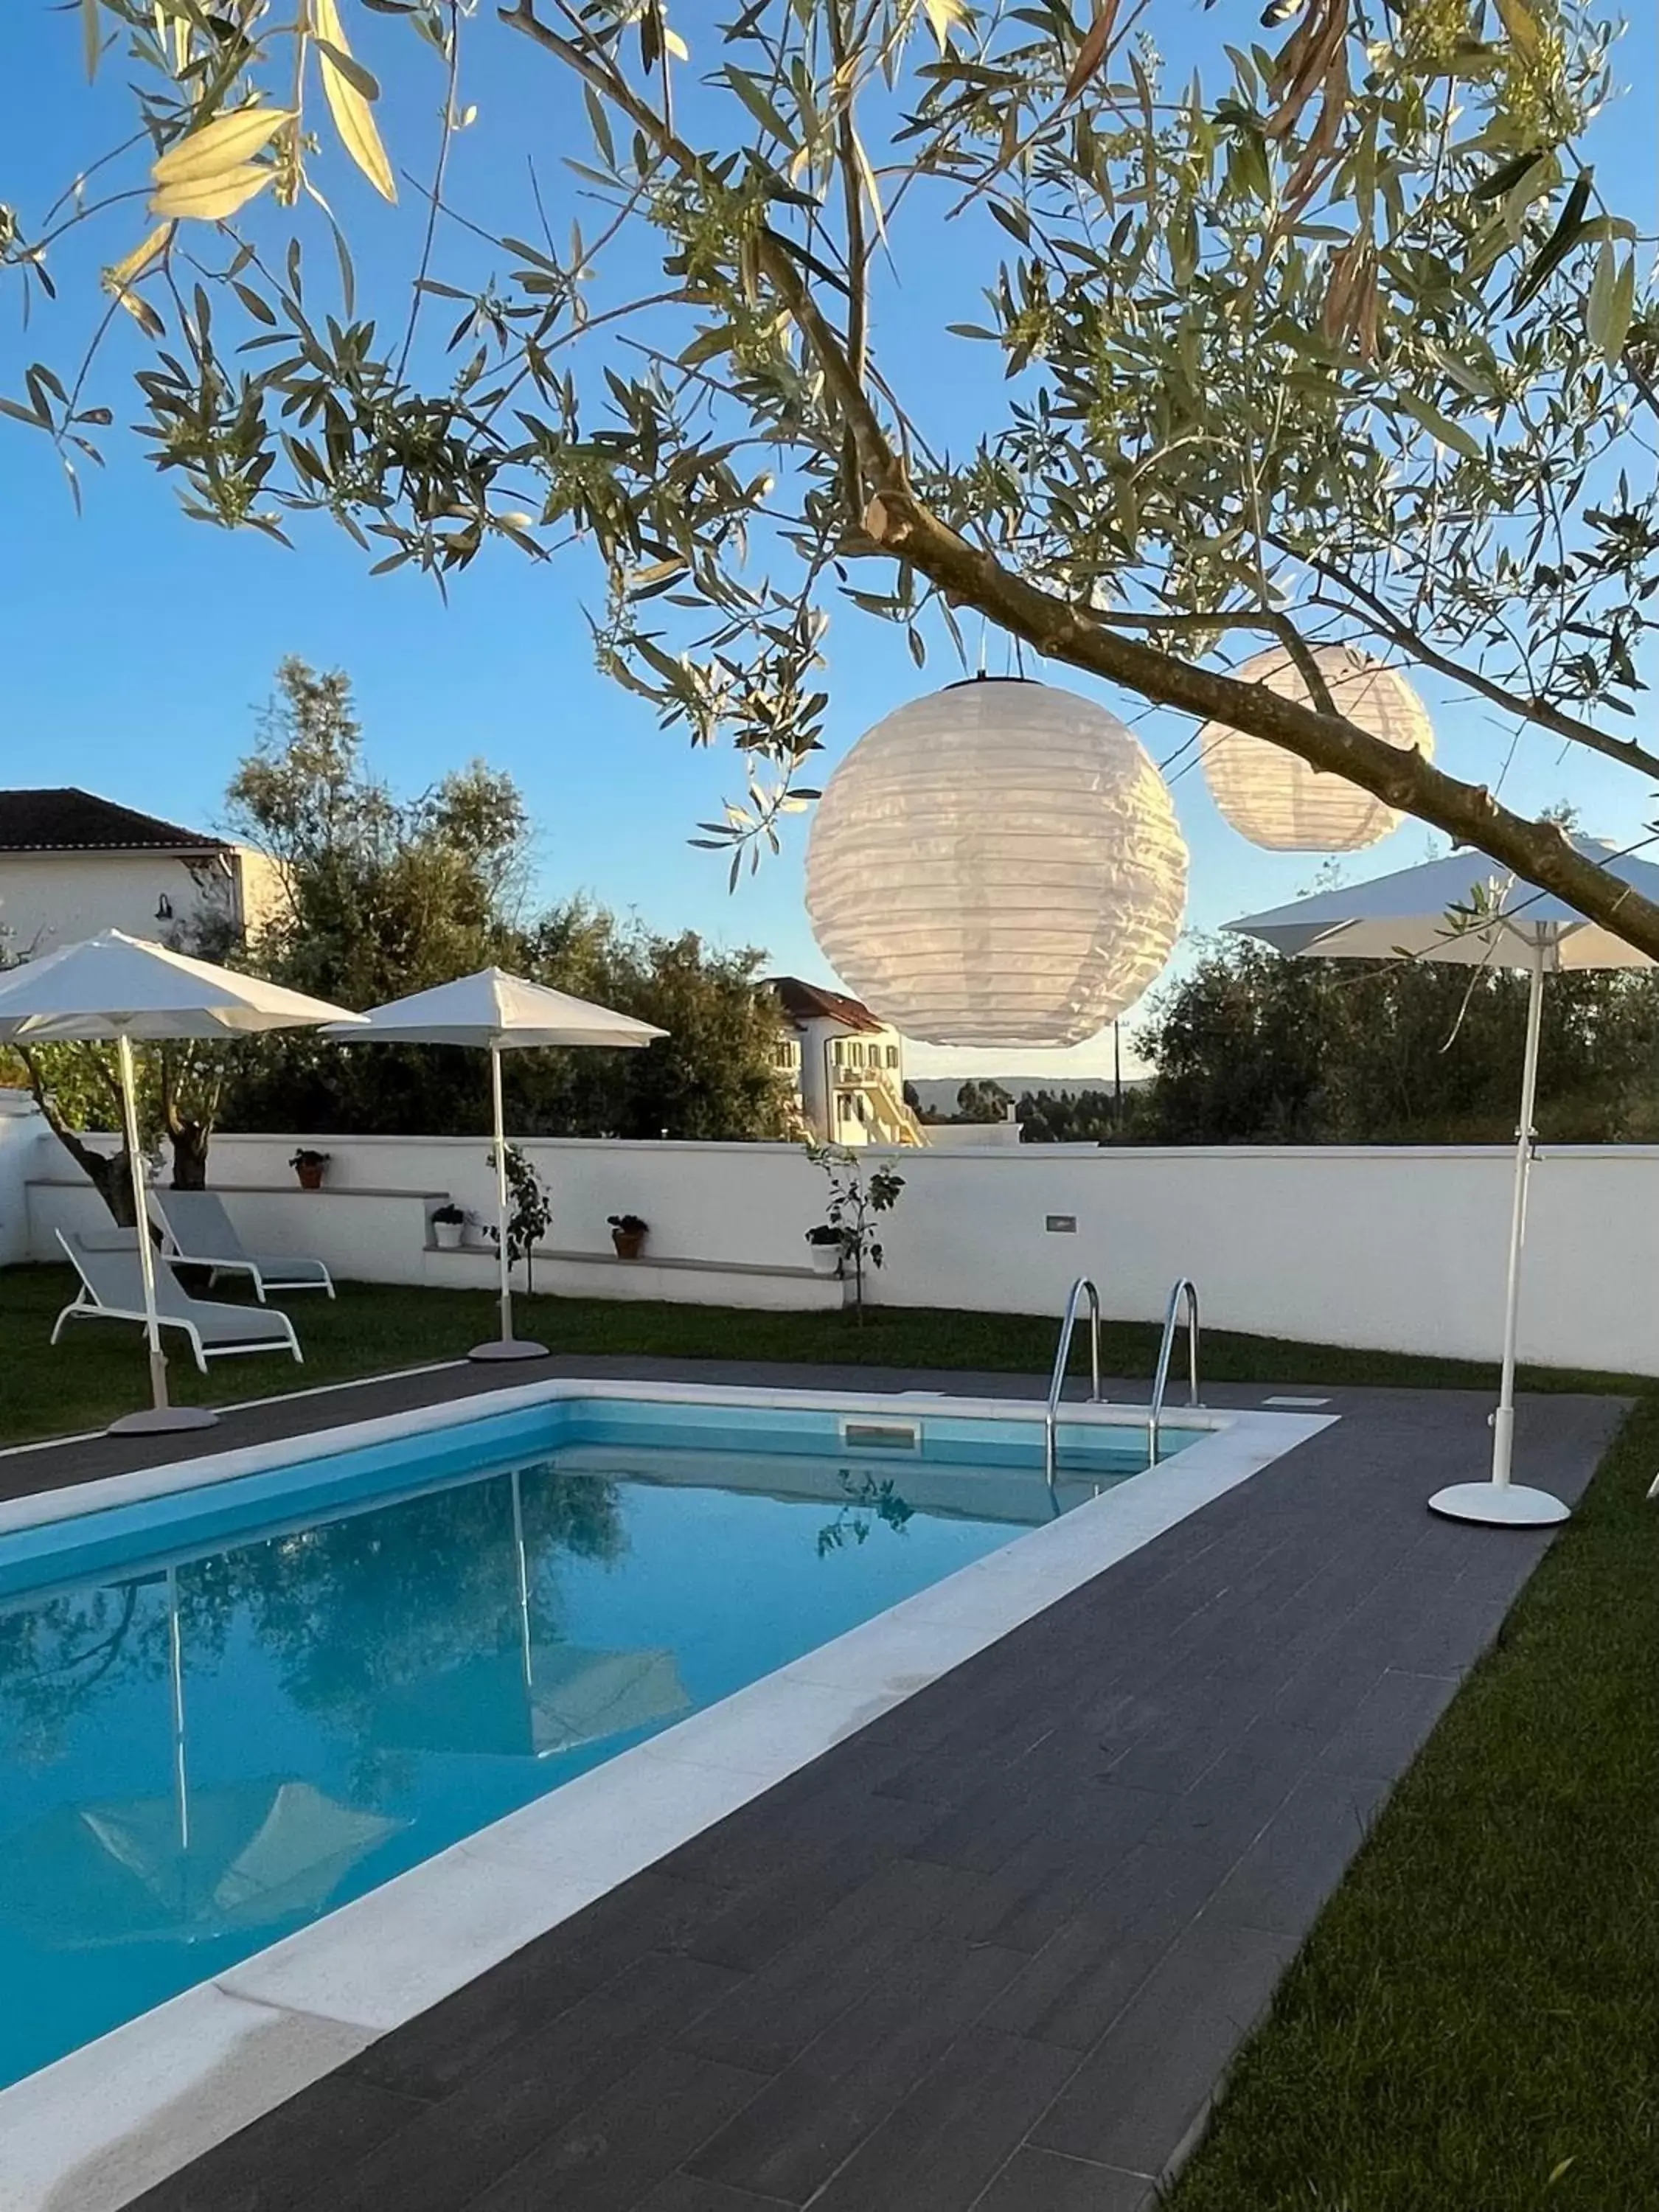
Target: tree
1082,1117
981,1101
384,897
1253,1048
381,893
180,1087
1337,339
713,1077
78,1091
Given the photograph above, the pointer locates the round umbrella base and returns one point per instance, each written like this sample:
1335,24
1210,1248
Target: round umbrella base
162,1421
509,1347
1499,1505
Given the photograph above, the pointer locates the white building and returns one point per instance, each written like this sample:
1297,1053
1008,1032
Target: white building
72,864
846,1068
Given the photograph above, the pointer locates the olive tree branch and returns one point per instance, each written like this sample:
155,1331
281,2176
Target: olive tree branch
434,196
878,459
1541,852
896,524
858,250
1266,618
1554,718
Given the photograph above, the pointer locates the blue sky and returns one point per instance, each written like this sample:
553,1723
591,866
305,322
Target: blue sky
141,645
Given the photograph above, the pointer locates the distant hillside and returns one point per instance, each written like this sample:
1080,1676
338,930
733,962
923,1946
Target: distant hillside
937,1093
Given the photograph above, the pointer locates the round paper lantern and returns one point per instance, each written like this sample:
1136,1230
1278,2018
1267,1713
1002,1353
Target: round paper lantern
1277,800
999,863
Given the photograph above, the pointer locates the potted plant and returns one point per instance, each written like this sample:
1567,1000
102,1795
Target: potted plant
827,1246
308,1166
530,1212
857,1196
448,1227
628,1234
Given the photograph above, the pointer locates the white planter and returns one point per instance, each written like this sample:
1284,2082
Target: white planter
447,1236
826,1259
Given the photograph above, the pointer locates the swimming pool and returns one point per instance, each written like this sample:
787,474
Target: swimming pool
115,2115
227,1710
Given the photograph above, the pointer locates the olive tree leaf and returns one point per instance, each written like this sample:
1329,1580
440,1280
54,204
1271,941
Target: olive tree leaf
211,197
758,105
121,273
1612,305
1559,243
218,147
347,100
1092,51
349,66
944,15
1521,24
1440,426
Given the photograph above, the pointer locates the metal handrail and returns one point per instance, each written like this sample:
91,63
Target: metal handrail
1063,1357
1187,1289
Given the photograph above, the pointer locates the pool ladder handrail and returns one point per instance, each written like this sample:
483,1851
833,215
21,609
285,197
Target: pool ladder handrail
1083,1286
1186,1290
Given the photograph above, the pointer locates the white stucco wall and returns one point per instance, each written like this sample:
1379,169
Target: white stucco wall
1399,1250
49,899
23,1139
752,1204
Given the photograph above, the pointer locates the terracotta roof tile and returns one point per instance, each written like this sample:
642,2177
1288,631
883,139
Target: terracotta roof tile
811,1001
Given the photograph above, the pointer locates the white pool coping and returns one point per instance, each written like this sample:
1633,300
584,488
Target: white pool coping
95,2129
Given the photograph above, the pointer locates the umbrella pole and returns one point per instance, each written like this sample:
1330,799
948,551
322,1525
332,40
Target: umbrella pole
522,1564
507,1345
176,1674
500,1194
1499,1502
158,1358
1503,1426
159,1415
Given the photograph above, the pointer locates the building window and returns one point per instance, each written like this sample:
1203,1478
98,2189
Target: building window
892,1055
855,1054
843,1106
783,1055
838,1052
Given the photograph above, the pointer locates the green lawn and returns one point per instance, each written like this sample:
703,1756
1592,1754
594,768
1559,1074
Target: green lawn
1474,2026
97,1372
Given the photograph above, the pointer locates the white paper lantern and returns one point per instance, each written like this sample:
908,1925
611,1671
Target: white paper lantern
997,864
1279,801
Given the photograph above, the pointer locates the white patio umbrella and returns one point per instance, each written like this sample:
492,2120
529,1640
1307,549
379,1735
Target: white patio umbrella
495,1013
117,989
1470,912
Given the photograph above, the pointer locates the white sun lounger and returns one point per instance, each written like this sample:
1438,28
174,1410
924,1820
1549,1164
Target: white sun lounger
200,1233
112,1289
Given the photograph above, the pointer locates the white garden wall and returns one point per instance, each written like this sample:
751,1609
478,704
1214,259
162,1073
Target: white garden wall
22,1133
1400,1249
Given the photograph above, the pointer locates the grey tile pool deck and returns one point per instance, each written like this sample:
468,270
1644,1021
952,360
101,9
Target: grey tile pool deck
994,1953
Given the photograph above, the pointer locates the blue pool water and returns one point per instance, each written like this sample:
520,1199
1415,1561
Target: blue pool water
225,1712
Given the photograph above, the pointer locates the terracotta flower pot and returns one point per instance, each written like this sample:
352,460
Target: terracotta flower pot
629,1242
310,1173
